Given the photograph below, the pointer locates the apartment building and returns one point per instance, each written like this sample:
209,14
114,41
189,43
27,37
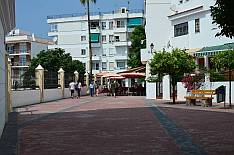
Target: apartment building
21,47
185,24
110,33
7,23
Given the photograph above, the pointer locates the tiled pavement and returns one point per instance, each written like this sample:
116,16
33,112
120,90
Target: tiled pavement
121,126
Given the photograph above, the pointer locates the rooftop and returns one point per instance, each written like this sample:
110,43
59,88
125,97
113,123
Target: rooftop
95,13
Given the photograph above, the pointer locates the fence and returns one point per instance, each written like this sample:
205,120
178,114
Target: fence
50,80
68,77
26,81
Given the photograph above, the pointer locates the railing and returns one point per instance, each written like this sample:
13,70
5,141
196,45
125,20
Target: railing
19,52
92,14
20,64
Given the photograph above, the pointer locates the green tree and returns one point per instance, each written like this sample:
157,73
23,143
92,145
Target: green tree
225,60
138,42
174,64
87,2
53,60
223,15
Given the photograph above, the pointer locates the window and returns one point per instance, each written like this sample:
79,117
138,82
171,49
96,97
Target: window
120,23
197,25
181,29
96,66
23,47
111,25
121,65
104,38
111,38
116,38
104,66
83,38
10,49
22,60
94,24
84,64
180,1
111,65
83,52
54,28
103,25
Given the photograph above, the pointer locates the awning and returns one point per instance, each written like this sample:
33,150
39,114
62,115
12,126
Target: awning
213,50
132,22
133,75
95,37
101,74
108,75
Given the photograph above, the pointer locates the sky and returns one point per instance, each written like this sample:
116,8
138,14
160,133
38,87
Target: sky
31,15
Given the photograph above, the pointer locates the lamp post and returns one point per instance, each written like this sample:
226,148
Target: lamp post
151,47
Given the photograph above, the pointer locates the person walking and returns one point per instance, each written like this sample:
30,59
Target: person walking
79,89
72,88
91,88
114,88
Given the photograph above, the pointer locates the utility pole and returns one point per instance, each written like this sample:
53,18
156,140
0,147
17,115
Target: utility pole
90,46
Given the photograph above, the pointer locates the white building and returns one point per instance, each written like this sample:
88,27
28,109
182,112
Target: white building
185,24
110,33
7,23
21,47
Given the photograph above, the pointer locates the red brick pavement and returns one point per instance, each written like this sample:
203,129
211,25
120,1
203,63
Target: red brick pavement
106,126
213,131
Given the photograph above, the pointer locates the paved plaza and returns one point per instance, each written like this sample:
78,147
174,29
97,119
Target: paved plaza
126,125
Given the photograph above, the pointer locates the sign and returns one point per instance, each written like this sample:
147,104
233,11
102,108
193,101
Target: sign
221,94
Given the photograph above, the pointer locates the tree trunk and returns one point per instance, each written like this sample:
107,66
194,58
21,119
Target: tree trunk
230,88
90,47
173,93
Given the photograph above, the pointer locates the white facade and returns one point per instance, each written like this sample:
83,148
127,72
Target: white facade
21,47
185,24
110,34
7,22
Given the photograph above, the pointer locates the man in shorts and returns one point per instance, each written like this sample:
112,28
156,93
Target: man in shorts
72,88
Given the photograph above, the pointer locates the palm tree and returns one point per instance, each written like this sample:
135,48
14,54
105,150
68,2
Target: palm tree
87,2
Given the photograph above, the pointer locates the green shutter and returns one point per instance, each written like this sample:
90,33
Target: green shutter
132,22
95,37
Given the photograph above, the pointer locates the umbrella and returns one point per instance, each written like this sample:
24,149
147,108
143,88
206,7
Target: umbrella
118,78
108,75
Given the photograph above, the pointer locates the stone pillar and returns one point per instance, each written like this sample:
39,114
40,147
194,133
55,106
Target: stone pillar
9,86
101,81
76,76
61,81
207,75
95,78
166,88
40,81
87,81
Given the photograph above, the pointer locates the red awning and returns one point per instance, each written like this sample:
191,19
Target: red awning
132,75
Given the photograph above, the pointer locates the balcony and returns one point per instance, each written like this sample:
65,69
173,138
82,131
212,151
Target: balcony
145,56
96,57
96,45
19,52
121,57
120,43
20,64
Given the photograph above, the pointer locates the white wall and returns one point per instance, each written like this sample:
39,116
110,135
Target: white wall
52,94
2,81
151,90
181,91
26,97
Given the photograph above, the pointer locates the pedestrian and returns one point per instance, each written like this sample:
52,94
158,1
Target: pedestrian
91,88
97,89
114,88
72,88
78,89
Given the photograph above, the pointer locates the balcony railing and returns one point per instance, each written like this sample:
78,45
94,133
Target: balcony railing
18,52
92,14
20,64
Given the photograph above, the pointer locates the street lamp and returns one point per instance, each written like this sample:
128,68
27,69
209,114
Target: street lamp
151,47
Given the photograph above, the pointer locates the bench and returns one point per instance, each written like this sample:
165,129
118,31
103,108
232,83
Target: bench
200,95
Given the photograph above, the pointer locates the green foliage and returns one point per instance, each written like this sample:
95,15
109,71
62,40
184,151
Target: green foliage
137,36
223,14
52,60
224,60
174,63
217,76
